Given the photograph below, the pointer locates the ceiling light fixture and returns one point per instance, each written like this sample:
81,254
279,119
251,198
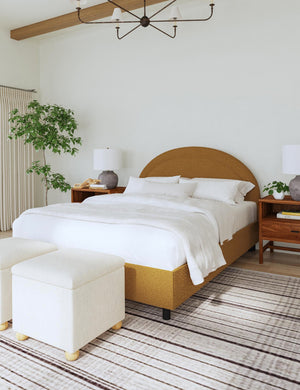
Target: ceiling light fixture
144,21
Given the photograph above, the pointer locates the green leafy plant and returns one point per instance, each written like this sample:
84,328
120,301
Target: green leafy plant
48,128
278,186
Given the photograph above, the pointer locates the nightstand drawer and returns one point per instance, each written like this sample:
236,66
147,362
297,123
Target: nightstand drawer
281,230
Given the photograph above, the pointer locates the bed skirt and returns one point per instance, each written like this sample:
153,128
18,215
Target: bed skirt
168,289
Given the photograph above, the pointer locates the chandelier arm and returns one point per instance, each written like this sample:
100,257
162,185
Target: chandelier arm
125,35
124,9
166,6
170,36
105,22
188,20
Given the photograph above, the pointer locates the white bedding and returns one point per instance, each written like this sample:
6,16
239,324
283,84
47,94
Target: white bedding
151,231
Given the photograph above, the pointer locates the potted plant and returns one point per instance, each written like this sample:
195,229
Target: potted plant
48,128
277,189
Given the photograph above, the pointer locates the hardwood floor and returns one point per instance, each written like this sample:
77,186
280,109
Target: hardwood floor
275,263
281,263
5,234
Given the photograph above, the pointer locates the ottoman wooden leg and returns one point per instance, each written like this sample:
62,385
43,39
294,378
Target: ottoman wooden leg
4,326
71,357
21,337
117,326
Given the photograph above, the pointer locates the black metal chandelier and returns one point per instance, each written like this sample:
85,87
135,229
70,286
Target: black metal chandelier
144,21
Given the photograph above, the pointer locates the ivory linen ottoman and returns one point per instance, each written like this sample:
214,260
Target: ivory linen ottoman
68,297
13,251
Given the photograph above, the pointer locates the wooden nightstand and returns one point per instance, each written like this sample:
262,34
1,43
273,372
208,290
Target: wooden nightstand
79,195
277,229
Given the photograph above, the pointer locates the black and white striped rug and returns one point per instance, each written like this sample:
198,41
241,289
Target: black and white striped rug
242,331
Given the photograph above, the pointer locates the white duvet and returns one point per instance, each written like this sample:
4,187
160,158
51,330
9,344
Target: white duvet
194,226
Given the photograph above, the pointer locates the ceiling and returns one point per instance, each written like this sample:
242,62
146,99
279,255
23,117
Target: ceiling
18,13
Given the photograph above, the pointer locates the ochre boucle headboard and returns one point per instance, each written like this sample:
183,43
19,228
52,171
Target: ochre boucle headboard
196,161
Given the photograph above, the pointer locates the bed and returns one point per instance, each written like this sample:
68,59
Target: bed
165,288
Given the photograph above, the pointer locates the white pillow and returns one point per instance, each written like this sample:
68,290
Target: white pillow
137,181
244,188
162,179
226,190
134,185
176,190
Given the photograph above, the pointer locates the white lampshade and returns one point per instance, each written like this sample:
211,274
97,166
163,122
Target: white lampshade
117,15
175,13
291,159
107,159
79,3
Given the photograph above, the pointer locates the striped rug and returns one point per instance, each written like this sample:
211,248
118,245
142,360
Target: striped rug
242,331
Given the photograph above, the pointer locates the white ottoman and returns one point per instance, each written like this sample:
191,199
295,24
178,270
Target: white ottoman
13,251
68,297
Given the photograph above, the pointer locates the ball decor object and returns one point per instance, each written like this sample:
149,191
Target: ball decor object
108,160
291,165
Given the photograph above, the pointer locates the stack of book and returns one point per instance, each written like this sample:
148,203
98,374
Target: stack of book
103,186
289,214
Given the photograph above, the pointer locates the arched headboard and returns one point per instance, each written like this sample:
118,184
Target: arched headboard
196,161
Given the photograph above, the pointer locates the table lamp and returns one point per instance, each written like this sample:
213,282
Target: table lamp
108,160
291,165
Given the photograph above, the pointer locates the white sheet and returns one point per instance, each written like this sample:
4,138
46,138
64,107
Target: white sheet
151,246
230,218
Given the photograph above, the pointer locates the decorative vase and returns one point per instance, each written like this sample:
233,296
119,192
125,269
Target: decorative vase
278,195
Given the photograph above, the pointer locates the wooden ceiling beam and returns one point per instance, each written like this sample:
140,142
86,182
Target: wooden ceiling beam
69,20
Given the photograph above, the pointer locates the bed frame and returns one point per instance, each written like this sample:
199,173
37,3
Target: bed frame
168,289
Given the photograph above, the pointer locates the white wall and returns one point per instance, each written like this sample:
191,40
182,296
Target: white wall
19,64
232,83
19,67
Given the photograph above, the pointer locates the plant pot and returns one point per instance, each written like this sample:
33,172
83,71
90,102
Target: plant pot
278,195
